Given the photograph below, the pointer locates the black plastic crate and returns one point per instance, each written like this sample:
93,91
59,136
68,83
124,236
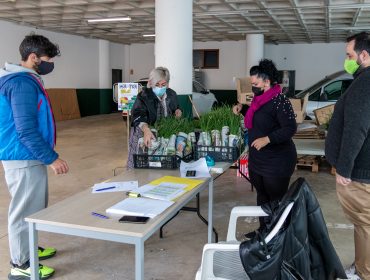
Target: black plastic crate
218,153
159,162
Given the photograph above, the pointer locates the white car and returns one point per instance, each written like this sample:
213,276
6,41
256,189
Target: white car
325,92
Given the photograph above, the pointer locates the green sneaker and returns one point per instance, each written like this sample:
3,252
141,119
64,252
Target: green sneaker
46,253
24,272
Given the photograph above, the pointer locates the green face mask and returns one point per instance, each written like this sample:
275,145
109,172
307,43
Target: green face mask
351,66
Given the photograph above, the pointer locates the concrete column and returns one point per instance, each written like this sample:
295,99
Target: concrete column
105,71
174,42
255,48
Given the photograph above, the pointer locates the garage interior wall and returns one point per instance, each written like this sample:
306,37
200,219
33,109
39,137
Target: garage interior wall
311,62
78,65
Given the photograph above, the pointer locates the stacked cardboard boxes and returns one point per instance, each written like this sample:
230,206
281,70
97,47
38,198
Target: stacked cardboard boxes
299,108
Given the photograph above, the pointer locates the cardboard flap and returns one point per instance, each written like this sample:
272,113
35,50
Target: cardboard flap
64,103
243,85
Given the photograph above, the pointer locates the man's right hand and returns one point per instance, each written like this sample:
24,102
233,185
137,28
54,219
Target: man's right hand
59,166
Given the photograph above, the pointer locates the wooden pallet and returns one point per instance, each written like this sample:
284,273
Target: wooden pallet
310,161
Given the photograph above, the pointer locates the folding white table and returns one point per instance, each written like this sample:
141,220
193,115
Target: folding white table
72,216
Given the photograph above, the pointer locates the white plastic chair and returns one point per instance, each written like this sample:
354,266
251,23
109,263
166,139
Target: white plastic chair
221,261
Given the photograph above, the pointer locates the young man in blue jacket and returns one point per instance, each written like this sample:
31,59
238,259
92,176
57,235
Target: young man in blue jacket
27,140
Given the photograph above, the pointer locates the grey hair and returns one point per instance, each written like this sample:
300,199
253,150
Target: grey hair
158,74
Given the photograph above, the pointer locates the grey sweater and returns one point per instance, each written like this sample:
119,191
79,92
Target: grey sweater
347,145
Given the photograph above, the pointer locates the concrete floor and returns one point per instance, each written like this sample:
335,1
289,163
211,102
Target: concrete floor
94,147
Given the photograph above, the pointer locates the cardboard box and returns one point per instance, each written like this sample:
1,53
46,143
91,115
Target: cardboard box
244,90
324,114
299,108
245,98
64,103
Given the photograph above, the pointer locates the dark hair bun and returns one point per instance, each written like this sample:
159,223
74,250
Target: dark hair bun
267,70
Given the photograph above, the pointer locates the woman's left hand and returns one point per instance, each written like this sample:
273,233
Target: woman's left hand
259,143
178,113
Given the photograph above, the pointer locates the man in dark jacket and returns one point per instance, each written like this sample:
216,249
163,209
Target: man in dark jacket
348,149
27,139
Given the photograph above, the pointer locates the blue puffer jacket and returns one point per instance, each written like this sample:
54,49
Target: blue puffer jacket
27,127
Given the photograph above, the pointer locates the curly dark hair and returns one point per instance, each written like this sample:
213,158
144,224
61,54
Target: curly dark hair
39,45
266,70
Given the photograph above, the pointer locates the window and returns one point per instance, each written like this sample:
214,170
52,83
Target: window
206,59
315,96
332,91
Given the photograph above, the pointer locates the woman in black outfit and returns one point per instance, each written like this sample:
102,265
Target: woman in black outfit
271,125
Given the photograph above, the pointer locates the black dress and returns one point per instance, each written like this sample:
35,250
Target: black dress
276,120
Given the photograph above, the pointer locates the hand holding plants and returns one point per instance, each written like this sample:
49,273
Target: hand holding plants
237,108
259,143
178,113
148,136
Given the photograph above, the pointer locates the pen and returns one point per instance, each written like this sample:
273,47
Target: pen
99,215
105,189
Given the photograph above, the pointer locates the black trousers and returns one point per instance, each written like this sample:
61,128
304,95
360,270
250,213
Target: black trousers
268,189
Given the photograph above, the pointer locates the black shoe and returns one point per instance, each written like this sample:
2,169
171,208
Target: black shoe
250,235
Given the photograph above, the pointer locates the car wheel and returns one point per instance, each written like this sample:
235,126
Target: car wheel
308,118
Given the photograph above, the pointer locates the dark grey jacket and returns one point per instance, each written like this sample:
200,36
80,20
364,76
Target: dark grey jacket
146,105
347,146
301,250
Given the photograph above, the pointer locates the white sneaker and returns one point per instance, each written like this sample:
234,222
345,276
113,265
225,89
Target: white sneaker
351,273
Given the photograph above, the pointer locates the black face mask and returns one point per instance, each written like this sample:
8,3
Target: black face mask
257,91
45,67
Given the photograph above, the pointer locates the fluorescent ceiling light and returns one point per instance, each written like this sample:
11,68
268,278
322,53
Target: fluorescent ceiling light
349,6
148,35
248,31
350,28
109,19
220,13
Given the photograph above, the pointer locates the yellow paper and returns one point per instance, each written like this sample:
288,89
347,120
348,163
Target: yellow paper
191,183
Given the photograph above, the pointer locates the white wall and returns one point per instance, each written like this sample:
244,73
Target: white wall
232,63
142,60
311,62
117,56
77,67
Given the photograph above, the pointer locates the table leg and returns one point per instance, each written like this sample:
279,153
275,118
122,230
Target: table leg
210,209
139,260
34,258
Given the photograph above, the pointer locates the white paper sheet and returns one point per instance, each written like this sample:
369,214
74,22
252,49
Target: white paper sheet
115,187
163,191
200,166
143,207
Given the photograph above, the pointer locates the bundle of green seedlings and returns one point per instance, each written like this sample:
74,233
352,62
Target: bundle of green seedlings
172,137
215,120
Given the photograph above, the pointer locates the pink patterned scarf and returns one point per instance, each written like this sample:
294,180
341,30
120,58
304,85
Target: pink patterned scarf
258,102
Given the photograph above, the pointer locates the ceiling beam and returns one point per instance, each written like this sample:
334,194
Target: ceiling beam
267,12
300,20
